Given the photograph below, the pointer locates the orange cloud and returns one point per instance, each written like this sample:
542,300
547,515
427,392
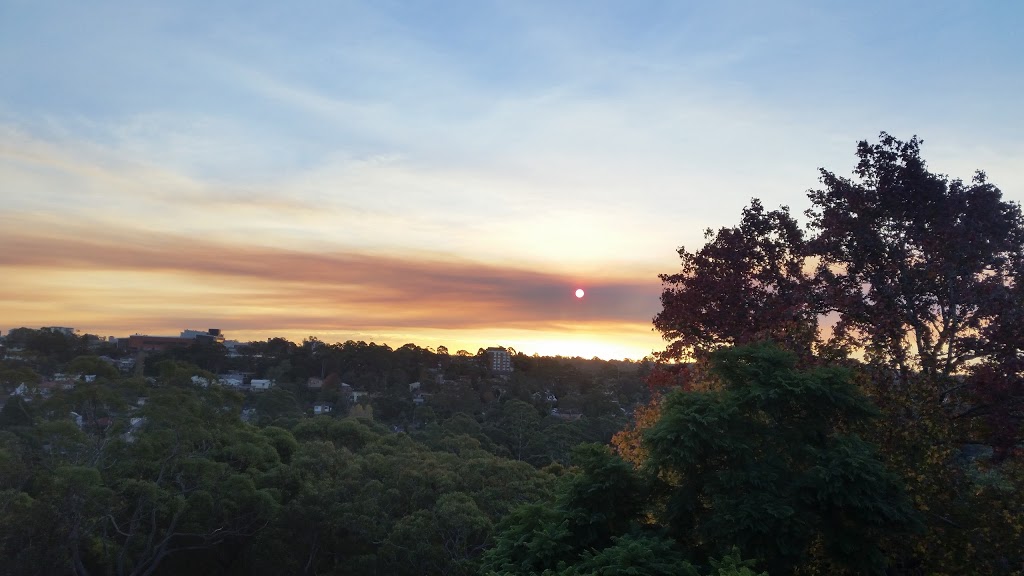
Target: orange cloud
142,281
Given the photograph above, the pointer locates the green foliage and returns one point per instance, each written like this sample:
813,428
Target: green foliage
13,376
604,500
15,413
767,464
277,405
360,500
531,540
631,555
93,365
918,277
180,482
179,373
350,433
283,442
517,427
593,508
732,565
764,465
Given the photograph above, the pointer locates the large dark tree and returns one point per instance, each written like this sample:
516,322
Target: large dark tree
919,267
917,272
924,274
746,284
918,277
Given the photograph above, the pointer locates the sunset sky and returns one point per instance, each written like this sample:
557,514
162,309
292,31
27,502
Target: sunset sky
449,172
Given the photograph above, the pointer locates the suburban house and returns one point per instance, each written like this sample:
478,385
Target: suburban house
134,427
232,380
43,389
260,385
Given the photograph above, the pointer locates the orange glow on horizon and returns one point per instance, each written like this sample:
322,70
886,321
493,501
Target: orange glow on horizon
111,283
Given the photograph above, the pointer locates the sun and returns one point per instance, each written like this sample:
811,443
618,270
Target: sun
580,292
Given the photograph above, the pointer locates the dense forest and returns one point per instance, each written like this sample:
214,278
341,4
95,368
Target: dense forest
160,466
840,394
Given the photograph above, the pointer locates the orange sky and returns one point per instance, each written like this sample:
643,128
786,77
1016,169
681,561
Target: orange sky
118,281
448,173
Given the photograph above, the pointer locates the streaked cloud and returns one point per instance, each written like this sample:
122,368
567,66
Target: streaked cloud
450,169
128,274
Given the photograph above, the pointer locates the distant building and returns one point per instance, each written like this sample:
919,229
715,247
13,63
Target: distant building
233,380
211,335
233,347
157,343
161,343
259,385
499,360
28,391
61,329
569,416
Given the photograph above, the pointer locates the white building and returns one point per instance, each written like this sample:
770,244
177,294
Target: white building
232,380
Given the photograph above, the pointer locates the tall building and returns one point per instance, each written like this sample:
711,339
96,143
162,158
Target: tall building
499,360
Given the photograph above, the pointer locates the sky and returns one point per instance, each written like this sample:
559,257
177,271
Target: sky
450,172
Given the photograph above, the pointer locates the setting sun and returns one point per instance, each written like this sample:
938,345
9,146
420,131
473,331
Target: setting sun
579,292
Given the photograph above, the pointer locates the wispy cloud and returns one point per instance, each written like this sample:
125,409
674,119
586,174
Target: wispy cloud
363,289
407,165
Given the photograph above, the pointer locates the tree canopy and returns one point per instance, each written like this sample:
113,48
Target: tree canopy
911,280
765,467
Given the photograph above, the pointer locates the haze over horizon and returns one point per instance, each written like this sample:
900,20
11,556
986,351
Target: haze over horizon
449,173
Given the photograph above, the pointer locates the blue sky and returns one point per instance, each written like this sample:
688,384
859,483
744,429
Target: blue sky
581,141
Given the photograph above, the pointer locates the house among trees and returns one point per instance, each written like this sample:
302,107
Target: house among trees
233,380
261,385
